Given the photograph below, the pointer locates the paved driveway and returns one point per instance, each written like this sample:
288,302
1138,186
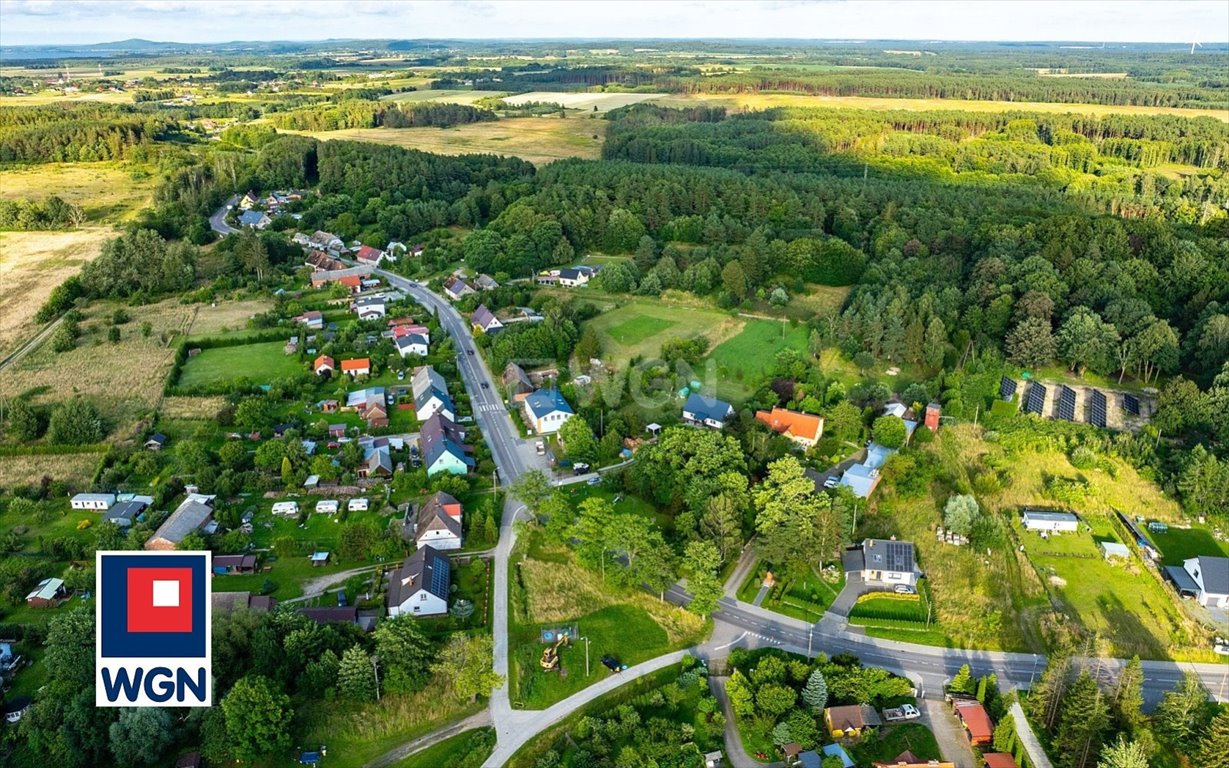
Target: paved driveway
854,588
950,736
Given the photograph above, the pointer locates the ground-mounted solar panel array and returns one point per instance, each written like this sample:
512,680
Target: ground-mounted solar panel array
1096,412
1066,403
1036,399
1007,387
1130,403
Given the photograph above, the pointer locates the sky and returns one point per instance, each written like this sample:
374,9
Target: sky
25,22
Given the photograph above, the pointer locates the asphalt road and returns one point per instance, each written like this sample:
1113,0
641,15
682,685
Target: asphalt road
927,666
217,222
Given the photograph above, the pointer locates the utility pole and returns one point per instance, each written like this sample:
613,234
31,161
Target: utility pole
586,639
375,669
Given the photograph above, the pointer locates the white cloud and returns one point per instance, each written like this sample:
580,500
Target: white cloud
84,21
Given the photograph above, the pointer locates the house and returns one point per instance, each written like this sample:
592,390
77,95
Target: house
48,594
998,760
701,411
420,586
837,751
337,430
516,382
1211,577
254,219
456,288
411,345
368,255
439,523
575,277
395,249
861,479
442,447
850,720
1114,549
976,721
155,442
248,200
430,393
484,321
370,308
313,320
934,412
351,277
418,249
326,241
377,462
802,428
14,708
355,367
907,759
791,750
485,283
546,411
713,759
409,328
94,501
332,615
883,562
124,513
324,366
286,508
224,565
1050,522
327,507
356,505
193,514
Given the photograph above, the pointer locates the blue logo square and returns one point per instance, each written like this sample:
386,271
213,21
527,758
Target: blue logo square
116,639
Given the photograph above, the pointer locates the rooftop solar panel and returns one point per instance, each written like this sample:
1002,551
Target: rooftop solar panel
1007,388
1066,403
1036,399
1131,404
1096,408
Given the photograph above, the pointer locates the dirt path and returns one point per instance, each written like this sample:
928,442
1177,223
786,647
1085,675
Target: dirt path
477,720
735,755
31,345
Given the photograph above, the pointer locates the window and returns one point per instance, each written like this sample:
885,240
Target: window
422,597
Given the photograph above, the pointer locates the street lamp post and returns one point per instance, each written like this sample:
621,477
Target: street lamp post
586,639
375,670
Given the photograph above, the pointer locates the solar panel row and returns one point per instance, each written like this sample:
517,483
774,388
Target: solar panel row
1131,404
1036,399
1066,403
1096,409
1007,388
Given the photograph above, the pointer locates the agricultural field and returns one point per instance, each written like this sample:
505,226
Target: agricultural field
76,469
638,327
587,102
260,363
109,192
442,96
32,264
550,589
539,140
757,101
123,378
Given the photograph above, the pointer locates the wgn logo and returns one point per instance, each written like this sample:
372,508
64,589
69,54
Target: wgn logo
153,645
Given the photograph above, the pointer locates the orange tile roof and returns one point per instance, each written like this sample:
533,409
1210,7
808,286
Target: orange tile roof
975,719
357,364
323,360
802,425
999,760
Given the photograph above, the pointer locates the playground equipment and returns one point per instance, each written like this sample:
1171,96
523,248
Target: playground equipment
550,654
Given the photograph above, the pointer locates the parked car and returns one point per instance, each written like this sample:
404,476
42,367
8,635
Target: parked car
594,481
832,482
341,599
904,589
579,468
903,712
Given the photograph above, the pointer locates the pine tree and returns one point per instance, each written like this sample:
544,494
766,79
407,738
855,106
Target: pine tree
1124,754
1082,725
1183,713
490,530
962,682
1005,735
355,675
815,694
1129,695
1213,751
1045,699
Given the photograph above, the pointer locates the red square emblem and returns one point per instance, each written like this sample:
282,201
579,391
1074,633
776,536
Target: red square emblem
159,599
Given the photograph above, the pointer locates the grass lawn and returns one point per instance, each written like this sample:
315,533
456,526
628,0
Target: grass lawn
1179,544
745,358
107,191
357,734
469,748
638,327
550,589
804,596
894,739
539,140
260,363
1117,600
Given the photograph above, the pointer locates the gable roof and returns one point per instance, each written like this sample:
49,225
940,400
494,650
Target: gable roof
883,554
323,361
1215,572
125,510
356,364
484,318
1050,517
514,374
997,760
438,436
433,515
975,719
792,423
457,286
187,517
546,401
851,716
425,569
708,407
331,615
367,253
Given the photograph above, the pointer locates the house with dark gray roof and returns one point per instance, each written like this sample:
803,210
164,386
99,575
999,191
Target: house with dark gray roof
439,523
443,448
124,513
193,514
883,562
421,585
1210,576
708,412
484,320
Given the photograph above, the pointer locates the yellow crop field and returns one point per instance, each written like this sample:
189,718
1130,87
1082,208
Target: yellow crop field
31,265
107,191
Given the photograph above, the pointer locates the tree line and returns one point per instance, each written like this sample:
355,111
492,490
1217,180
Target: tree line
357,113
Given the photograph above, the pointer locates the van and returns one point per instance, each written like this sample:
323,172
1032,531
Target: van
541,446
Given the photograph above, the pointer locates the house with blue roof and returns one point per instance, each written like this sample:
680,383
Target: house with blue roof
546,411
443,449
420,586
431,394
701,411
254,219
861,479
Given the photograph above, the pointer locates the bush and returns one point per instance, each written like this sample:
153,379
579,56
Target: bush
1083,457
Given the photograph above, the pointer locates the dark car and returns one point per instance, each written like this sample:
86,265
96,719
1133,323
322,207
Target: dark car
485,385
341,599
611,663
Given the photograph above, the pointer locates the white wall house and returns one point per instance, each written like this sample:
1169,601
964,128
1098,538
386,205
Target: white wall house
420,586
1050,522
286,508
99,502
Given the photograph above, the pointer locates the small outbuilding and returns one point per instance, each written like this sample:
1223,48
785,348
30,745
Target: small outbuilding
1113,549
1050,522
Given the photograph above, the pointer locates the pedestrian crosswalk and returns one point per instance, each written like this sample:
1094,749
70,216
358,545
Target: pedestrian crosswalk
765,638
488,408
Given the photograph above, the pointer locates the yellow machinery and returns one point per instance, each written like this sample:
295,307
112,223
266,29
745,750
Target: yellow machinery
550,655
